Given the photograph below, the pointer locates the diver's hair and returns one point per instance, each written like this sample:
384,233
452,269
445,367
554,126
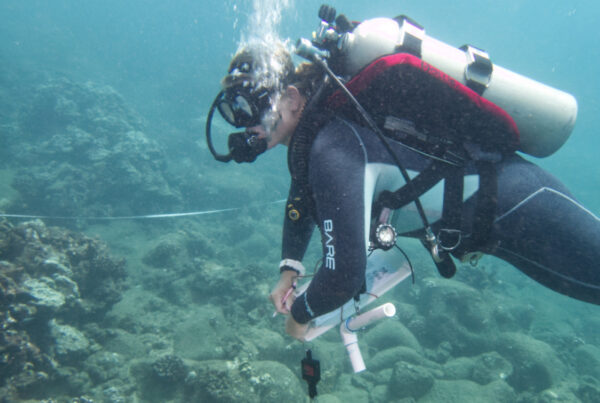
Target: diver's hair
268,67
307,78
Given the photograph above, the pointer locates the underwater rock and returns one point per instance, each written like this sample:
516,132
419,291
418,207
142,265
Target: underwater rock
83,153
455,313
328,398
52,282
274,382
24,369
513,316
347,390
80,267
112,394
389,357
562,393
213,282
536,365
587,358
409,381
165,254
467,391
483,369
71,381
490,367
169,368
70,345
378,393
42,295
391,333
269,344
459,368
204,338
589,392
232,381
105,365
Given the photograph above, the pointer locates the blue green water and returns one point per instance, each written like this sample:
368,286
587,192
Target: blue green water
166,59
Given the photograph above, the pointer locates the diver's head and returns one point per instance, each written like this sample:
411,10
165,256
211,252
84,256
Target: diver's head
256,79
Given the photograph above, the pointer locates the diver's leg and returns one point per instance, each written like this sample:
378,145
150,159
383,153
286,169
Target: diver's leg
544,232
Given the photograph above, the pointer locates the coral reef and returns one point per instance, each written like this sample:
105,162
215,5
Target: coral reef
196,324
83,149
52,282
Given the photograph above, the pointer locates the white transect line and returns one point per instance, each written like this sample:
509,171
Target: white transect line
142,217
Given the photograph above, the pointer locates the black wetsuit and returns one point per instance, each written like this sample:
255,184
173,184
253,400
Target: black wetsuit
539,227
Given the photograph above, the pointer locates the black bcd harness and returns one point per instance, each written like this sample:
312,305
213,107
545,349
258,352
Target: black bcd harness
420,107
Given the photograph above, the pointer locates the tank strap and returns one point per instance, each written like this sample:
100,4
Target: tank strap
485,209
449,234
479,69
411,36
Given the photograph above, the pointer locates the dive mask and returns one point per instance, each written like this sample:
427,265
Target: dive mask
243,107
240,108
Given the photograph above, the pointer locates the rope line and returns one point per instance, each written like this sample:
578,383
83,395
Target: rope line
140,217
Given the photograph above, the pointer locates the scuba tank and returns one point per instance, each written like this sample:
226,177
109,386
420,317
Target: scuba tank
445,93
544,116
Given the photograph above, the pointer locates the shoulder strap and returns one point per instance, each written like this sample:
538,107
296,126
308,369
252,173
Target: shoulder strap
424,181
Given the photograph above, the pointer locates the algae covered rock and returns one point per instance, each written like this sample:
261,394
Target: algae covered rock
587,358
56,271
204,338
461,391
52,282
69,343
105,365
490,367
456,313
410,381
459,368
231,381
389,357
166,253
391,333
536,365
269,344
483,369
169,368
349,388
42,294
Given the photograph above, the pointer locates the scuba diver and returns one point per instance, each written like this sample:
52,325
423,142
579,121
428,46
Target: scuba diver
381,131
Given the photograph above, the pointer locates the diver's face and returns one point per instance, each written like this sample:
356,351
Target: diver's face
280,123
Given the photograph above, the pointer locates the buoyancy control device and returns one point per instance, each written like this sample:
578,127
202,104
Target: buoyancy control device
437,99
544,116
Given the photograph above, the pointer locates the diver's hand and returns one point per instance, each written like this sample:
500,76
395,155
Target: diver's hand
278,297
295,329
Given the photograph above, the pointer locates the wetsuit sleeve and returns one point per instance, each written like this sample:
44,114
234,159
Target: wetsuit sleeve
337,171
298,227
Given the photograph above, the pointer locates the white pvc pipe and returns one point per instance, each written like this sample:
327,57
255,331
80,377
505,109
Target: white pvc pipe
351,343
383,311
350,326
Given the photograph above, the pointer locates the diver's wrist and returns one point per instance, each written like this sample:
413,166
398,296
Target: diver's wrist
293,266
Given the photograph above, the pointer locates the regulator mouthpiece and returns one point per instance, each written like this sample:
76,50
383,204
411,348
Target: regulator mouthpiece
245,146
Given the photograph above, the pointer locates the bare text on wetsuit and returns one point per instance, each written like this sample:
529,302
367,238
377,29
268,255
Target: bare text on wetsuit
329,246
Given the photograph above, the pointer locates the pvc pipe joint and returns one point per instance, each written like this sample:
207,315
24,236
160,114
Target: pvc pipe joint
351,325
